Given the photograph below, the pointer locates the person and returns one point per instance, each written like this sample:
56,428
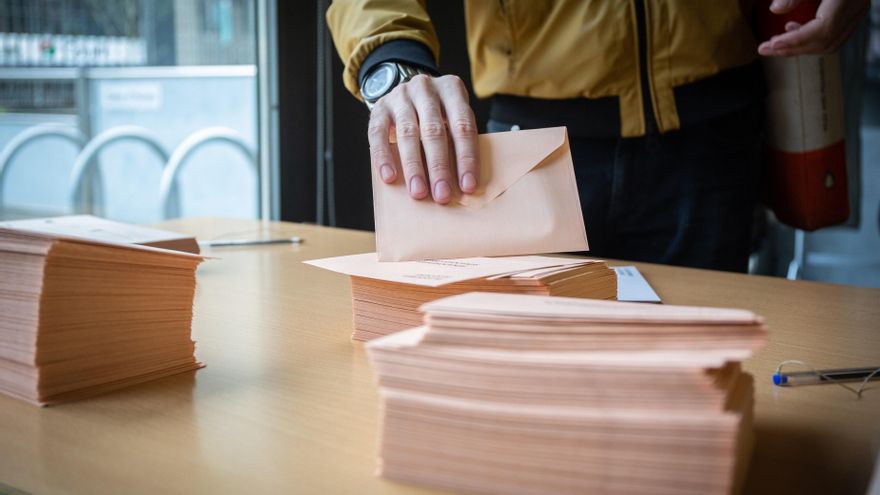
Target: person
662,101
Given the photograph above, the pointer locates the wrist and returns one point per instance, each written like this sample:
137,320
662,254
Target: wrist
384,77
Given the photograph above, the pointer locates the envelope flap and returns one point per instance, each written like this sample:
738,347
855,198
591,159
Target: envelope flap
505,157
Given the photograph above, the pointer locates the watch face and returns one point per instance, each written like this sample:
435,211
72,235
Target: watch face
379,82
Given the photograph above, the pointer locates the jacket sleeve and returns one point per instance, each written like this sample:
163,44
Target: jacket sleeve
401,27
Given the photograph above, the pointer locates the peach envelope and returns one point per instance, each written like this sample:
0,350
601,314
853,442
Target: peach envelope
527,203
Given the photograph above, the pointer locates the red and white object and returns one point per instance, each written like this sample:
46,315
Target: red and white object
805,134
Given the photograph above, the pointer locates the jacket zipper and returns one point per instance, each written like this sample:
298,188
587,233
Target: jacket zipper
648,107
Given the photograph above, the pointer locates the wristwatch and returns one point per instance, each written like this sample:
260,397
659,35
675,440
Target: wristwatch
383,78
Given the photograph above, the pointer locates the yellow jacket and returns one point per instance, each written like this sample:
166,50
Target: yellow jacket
561,49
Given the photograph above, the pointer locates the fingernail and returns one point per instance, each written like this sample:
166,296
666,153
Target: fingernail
442,191
417,187
387,173
468,182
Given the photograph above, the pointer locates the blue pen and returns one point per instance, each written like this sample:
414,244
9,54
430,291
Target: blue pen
826,376
250,242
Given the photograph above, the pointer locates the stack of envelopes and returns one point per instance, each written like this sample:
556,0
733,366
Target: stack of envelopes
80,317
386,296
643,400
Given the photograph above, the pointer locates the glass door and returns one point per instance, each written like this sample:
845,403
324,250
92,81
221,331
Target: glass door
136,110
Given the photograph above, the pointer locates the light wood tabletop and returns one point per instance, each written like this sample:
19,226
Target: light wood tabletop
287,402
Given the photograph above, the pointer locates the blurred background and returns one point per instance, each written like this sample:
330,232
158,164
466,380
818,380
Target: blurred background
142,110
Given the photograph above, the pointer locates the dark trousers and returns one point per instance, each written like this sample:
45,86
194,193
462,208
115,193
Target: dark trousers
682,198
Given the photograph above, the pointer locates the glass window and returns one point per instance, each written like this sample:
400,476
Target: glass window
136,110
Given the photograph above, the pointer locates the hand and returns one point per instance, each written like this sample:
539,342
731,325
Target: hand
835,20
419,111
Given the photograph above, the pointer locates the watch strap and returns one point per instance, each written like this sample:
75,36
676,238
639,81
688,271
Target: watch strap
403,51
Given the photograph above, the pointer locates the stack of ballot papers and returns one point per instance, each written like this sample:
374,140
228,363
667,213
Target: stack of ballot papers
386,296
80,317
517,394
101,229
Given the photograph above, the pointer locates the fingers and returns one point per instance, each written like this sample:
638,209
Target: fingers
783,6
809,38
432,131
426,114
835,20
463,130
408,144
812,38
395,113
380,151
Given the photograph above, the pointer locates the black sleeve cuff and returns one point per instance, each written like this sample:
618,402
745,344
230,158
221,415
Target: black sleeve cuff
407,52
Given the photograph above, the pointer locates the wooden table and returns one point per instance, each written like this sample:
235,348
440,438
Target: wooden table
287,403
